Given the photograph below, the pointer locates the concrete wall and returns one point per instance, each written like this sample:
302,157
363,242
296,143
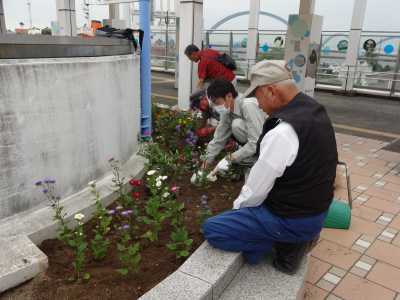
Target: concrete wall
64,118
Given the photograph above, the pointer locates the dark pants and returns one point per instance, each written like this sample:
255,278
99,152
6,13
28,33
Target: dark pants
254,230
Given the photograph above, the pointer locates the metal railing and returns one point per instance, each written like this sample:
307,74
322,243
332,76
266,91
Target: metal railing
376,73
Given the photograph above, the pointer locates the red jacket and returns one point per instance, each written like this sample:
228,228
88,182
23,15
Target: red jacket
210,68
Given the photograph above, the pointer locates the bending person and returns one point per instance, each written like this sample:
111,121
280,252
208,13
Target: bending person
240,118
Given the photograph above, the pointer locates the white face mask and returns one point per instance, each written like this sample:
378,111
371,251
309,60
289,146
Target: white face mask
221,109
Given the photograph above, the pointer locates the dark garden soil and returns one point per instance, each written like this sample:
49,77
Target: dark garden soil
156,264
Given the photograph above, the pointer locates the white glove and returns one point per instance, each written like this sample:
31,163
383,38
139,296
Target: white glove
212,177
195,177
223,165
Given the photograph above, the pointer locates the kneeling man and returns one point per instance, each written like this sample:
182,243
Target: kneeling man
285,199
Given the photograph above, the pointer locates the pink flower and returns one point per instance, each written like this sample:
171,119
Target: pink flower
174,189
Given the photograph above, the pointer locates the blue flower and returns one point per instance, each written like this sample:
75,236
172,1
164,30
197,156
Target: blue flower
178,128
45,191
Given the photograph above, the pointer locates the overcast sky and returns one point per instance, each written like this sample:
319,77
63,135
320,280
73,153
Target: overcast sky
381,14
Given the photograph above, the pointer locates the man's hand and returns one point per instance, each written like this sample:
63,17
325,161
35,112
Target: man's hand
205,165
200,84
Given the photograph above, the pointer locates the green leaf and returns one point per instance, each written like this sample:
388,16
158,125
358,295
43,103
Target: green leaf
86,276
71,243
120,247
188,242
123,271
171,247
183,253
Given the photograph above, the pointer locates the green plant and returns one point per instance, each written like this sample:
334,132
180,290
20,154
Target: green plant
128,253
154,218
180,242
79,245
174,210
166,161
48,187
119,184
99,244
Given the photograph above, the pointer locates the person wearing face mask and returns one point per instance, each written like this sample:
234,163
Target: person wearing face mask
286,197
240,118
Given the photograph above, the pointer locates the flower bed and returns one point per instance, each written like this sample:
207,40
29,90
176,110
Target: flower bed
129,247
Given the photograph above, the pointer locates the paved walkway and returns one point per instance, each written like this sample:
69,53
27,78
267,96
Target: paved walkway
364,261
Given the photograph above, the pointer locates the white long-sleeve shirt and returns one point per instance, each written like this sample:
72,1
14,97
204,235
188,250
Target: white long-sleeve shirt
278,150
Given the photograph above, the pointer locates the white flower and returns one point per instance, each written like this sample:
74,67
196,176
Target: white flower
159,178
151,172
79,217
166,195
164,177
158,184
92,184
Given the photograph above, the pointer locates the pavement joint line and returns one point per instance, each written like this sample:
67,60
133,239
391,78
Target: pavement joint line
162,78
370,131
164,96
161,81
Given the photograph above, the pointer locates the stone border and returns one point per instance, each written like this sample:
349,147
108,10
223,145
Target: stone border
20,259
204,275
210,273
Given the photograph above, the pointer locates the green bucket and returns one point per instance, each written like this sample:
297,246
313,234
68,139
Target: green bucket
339,215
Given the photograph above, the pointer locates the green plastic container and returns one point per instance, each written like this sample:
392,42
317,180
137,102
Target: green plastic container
339,215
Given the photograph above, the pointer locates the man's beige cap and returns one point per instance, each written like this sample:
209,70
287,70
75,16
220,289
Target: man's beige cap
267,72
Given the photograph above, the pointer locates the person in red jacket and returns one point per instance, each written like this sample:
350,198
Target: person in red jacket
209,67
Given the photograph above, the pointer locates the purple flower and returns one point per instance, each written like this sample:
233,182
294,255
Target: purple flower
45,191
178,128
125,227
38,183
111,212
126,213
189,142
189,134
49,181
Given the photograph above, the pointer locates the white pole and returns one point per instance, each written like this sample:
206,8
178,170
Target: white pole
29,4
191,19
357,21
253,32
3,28
66,17
177,29
307,7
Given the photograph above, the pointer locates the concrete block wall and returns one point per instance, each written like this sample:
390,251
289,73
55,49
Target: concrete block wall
64,118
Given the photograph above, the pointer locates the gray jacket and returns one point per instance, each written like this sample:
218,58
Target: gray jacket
253,117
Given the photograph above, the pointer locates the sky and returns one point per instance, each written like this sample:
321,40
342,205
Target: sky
381,14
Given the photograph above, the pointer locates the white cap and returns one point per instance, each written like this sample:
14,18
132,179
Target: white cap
267,72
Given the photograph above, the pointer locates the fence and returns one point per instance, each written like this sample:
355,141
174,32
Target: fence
376,71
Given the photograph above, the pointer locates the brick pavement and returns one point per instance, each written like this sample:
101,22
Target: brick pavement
364,261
